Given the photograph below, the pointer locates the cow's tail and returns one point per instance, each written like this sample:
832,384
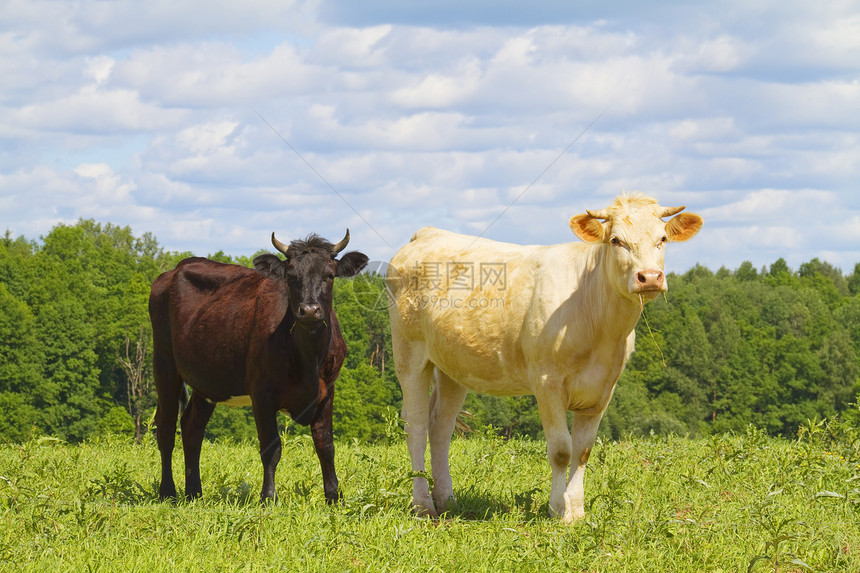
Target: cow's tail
184,398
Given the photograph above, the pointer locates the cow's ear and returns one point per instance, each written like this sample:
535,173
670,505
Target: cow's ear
683,227
350,264
269,266
587,228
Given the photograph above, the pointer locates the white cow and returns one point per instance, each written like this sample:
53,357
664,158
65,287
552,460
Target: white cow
553,321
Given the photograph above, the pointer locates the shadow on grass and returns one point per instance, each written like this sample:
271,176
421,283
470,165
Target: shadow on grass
118,487
479,506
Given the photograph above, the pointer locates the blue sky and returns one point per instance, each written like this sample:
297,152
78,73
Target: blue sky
177,118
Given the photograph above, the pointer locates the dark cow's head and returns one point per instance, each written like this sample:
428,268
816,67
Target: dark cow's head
309,271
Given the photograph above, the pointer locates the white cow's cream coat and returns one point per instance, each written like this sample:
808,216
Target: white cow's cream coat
553,321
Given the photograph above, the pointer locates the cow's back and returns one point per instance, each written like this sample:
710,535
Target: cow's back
210,317
467,300
206,293
496,337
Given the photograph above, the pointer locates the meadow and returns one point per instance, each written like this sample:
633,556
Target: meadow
733,502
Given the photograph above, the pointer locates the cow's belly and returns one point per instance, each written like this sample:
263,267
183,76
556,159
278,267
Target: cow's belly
233,401
584,383
240,401
497,387
583,389
215,382
480,369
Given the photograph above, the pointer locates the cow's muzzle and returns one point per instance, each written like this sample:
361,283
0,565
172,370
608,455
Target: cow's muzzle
310,312
649,281
310,317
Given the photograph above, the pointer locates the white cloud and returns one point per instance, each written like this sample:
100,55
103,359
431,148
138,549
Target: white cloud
91,110
689,130
837,39
361,48
207,137
721,54
146,115
59,28
107,184
42,197
100,67
438,91
769,205
213,74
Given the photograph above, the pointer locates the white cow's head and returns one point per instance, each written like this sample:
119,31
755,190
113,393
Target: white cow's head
635,235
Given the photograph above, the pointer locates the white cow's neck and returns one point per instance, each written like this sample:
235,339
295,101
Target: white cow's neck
619,308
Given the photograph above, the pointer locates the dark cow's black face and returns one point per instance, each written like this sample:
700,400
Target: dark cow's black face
310,281
309,272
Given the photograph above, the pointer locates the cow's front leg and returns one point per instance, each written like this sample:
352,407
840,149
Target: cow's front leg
583,433
266,418
321,431
558,448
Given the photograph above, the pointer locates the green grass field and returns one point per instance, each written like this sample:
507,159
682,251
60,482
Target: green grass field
726,503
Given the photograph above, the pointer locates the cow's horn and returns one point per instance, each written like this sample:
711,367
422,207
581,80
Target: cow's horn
599,214
342,244
669,211
279,245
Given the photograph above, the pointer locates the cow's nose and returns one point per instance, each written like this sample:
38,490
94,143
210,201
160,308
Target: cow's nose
649,279
310,312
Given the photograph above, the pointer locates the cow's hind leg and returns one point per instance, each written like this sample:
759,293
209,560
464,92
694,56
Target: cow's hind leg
415,372
445,404
193,424
170,390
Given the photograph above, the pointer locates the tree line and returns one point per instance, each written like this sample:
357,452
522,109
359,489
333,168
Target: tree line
771,347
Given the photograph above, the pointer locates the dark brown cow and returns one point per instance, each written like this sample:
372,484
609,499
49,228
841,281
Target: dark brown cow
267,337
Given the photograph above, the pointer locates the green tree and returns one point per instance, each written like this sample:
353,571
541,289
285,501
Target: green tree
779,272
368,385
746,272
854,280
722,350
20,368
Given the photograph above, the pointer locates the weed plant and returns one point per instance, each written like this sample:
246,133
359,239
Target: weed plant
743,502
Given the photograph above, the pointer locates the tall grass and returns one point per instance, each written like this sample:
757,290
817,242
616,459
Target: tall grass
727,503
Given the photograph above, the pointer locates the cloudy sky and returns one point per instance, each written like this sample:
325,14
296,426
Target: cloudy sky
212,124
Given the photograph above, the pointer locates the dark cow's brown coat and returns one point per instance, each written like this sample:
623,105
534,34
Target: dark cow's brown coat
268,337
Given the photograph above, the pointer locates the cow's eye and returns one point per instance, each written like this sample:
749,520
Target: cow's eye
615,241
664,239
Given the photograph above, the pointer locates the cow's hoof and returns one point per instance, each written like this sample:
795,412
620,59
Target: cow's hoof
443,503
424,508
572,511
